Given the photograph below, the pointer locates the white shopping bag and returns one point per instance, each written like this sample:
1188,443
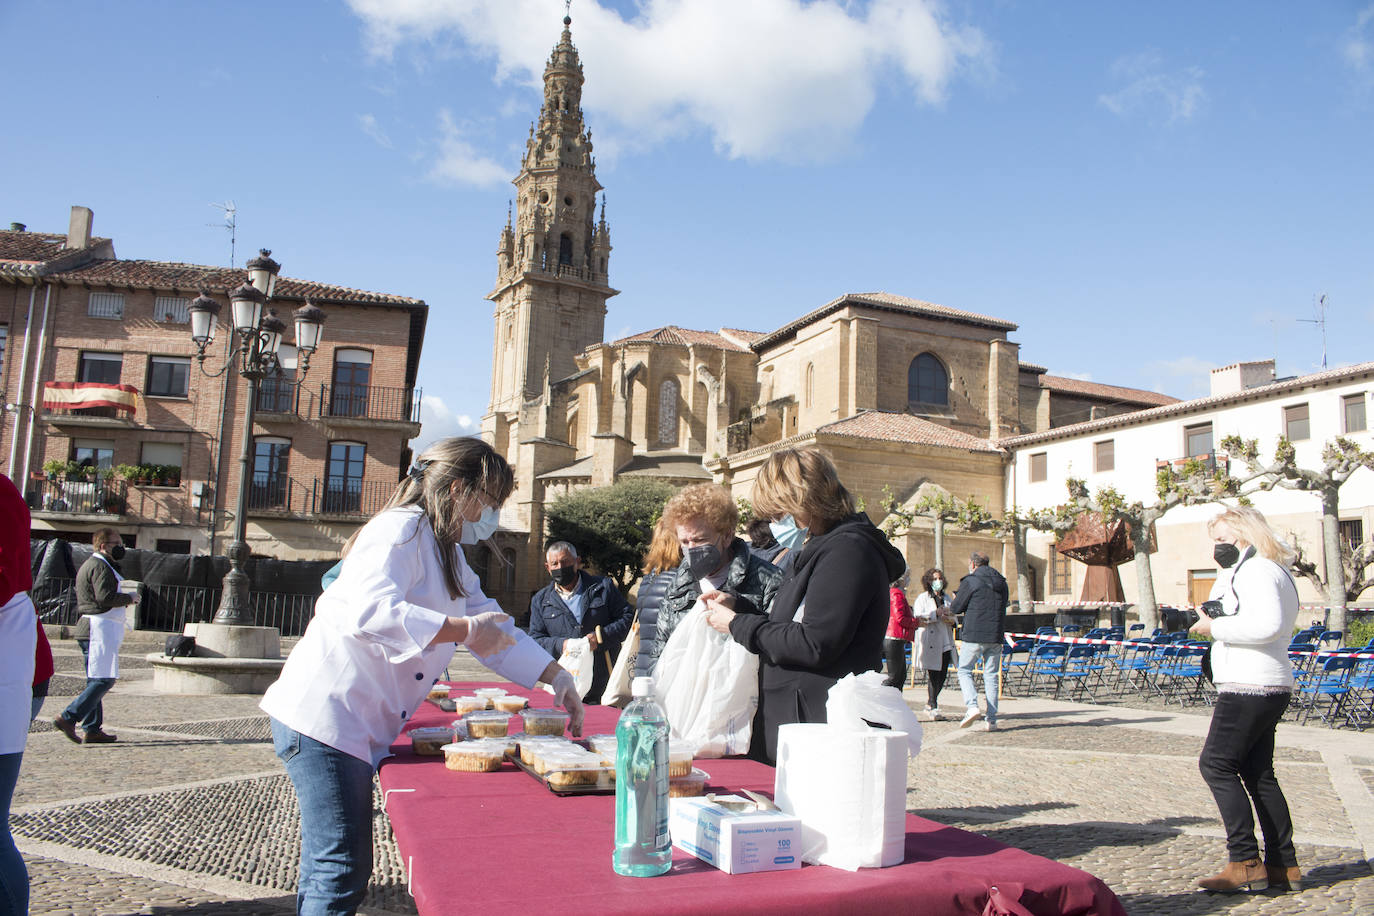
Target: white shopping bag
708,685
617,691
577,661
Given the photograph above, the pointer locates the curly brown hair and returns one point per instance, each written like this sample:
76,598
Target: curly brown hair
707,502
929,577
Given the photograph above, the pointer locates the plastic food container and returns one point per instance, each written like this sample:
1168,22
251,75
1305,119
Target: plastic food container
430,740
489,693
487,724
605,745
533,746
679,759
465,705
439,691
578,771
694,783
545,721
474,756
509,703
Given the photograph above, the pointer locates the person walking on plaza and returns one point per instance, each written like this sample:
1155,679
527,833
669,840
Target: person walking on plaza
99,633
1254,681
577,604
380,636
935,639
982,599
17,640
901,629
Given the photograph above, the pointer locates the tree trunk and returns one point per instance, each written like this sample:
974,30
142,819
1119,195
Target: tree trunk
1145,584
1331,555
1025,600
939,543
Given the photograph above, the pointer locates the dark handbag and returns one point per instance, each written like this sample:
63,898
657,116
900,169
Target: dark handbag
180,646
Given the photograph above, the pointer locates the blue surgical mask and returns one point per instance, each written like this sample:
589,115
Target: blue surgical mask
483,528
937,585
786,532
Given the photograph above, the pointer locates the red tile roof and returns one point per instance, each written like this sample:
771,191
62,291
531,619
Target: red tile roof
884,302
903,427
216,280
1108,392
682,337
20,250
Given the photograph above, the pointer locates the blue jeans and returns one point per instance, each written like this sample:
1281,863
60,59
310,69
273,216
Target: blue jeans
334,791
91,719
14,877
991,655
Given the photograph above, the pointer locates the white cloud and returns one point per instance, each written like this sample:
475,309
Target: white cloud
439,421
1080,376
767,79
1151,92
1357,46
369,125
1183,377
458,163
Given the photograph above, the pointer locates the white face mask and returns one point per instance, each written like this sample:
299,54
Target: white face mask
483,528
937,584
786,532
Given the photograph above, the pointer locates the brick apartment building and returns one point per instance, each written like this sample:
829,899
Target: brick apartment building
99,372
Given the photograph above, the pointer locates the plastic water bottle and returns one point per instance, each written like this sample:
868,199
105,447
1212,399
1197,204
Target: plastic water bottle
642,846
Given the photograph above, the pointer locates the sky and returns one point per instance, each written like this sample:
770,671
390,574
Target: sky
1148,190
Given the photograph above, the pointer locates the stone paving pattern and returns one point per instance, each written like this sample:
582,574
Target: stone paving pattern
190,812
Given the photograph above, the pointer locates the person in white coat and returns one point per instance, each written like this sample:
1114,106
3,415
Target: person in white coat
1250,634
382,634
935,639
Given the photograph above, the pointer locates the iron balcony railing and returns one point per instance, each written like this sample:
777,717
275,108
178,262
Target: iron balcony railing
370,402
278,396
99,495
276,493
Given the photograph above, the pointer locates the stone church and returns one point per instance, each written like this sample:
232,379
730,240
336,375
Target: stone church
902,393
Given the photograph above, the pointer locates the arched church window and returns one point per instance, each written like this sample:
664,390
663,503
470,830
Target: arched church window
927,382
809,384
565,249
667,412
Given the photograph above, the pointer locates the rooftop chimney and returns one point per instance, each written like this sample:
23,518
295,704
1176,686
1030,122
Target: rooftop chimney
17,227
79,231
1237,377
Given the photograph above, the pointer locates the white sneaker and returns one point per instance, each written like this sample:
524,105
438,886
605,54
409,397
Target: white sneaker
989,726
973,715
935,715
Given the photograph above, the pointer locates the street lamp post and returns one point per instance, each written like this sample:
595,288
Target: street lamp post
259,334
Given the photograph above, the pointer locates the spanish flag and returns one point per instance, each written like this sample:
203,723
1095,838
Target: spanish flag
72,395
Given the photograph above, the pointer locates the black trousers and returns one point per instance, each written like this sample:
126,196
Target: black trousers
935,681
1237,763
894,650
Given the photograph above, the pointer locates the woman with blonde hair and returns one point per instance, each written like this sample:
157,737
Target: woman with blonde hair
1254,606
381,635
831,613
662,557
702,519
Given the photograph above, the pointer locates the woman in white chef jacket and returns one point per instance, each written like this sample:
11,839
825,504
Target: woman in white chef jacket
381,634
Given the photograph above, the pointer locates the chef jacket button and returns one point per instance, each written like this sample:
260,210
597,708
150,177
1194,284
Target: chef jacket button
419,676
403,715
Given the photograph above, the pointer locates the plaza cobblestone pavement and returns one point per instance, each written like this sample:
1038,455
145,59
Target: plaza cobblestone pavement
190,812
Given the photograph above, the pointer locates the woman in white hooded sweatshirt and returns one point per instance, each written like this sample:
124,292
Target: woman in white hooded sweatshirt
1254,680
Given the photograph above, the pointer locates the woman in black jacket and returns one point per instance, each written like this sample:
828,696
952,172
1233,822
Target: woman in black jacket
829,616
660,561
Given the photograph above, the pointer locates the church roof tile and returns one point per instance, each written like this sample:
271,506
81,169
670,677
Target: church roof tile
885,302
683,337
903,427
1112,392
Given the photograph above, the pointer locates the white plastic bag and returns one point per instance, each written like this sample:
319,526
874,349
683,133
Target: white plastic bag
857,699
577,660
708,685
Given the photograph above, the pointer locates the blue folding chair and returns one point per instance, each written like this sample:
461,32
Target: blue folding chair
1015,660
1331,683
1181,675
1330,639
1047,660
1078,670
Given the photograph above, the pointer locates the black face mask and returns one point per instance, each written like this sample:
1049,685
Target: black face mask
703,560
117,552
1226,555
564,575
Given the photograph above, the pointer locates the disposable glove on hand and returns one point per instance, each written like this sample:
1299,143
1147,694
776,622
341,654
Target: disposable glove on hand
565,691
485,635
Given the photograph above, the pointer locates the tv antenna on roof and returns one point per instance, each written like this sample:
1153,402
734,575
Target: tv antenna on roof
1320,321
230,223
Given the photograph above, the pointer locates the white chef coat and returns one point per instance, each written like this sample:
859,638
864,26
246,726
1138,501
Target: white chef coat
365,662
107,633
1250,643
935,638
18,635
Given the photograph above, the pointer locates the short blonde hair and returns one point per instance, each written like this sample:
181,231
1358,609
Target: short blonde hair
1248,524
802,482
707,502
664,551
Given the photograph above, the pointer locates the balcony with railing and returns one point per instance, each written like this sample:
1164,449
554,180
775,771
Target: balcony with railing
350,497
1210,462
278,399
370,405
276,495
89,404
101,495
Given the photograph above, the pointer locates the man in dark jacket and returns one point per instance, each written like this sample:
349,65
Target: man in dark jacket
577,604
97,593
982,599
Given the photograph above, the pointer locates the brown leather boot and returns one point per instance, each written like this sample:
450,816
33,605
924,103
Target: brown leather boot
1284,879
1249,874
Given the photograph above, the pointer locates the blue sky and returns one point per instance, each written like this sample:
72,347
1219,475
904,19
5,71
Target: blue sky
1148,190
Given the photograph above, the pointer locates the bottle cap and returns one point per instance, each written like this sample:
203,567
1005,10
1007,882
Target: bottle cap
642,687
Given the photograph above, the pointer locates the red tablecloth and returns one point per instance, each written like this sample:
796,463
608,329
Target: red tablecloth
502,843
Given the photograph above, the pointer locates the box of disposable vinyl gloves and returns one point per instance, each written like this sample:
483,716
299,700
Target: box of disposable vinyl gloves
734,834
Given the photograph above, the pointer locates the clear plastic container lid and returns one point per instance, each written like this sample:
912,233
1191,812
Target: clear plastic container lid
489,692
492,748
431,732
440,688
487,715
509,703
468,704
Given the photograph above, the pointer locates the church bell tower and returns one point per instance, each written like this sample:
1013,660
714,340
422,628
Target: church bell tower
552,258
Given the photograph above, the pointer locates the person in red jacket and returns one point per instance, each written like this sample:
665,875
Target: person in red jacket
901,630
17,639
